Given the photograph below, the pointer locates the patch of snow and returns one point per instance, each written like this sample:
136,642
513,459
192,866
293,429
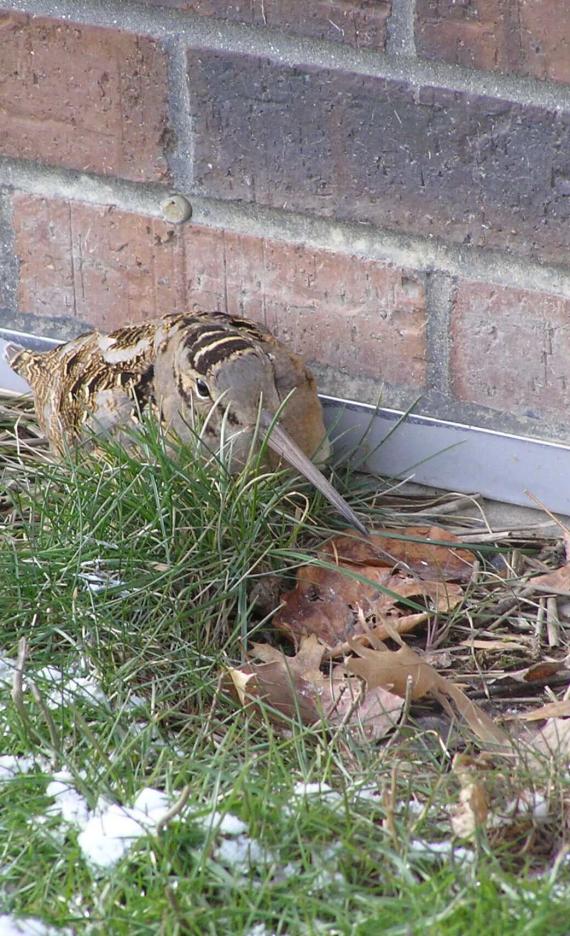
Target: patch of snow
241,853
68,803
311,789
303,791
370,794
111,829
260,929
67,689
436,851
224,823
327,880
7,667
57,688
13,764
28,926
107,832
411,806
236,850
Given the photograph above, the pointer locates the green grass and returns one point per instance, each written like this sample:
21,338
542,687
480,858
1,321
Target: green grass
176,546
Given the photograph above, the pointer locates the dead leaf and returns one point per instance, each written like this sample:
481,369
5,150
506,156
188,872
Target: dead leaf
427,558
470,814
336,607
295,687
475,644
559,709
395,670
539,672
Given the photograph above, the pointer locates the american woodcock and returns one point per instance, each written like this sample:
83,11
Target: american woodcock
227,371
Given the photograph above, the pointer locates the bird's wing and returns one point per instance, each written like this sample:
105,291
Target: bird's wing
93,383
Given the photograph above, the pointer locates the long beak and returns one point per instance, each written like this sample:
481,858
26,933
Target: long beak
283,444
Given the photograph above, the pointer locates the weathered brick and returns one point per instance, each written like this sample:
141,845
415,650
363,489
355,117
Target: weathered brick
528,37
466,168
106,267
360,23
510,350
100,266
359,316
83,97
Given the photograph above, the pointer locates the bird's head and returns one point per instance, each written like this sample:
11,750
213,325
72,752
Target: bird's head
226,380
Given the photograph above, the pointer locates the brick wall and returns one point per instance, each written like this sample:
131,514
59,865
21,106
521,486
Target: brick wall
385,183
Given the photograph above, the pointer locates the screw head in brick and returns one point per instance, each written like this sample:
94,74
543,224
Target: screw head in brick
176,209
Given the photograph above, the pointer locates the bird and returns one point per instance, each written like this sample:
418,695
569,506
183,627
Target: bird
232,375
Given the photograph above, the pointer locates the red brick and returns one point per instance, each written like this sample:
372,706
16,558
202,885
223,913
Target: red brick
510,350
100,266
83,97
360,23
359,316
429,161
106,267
527,37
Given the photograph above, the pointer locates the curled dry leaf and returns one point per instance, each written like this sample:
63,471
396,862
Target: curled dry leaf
519,820
471,812
295,687
537,673
395,670
337,607
424,554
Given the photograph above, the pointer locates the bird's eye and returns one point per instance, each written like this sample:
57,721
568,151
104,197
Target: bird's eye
202,389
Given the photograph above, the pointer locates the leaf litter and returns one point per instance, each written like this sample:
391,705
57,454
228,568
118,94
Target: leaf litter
499,628
484,620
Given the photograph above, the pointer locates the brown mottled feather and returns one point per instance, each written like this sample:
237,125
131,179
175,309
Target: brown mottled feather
100,383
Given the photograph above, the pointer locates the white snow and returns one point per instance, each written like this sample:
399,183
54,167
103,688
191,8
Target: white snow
441,850
312,789
57,687
260,929
7,667
241,852
224,823
28,926
66,689
68,802
12,764
236,850
111,829
108,831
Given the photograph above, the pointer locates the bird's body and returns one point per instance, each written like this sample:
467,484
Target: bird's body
229,371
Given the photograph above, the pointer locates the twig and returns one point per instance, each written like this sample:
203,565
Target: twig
517,688
54,737
450,507
539,623
552,622
18,680
524,533
175,809
548,512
